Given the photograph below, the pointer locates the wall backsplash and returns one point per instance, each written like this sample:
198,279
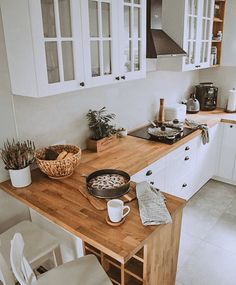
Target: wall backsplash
222,77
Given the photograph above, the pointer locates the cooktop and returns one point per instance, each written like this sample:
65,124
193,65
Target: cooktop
143,134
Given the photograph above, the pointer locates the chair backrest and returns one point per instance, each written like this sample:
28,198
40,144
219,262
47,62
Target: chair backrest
20,266
6,275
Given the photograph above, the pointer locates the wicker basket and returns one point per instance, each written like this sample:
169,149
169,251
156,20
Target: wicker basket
59,168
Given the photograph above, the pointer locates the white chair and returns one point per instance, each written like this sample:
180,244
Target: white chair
83,271
40,245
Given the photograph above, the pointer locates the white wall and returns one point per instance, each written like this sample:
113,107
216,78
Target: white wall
52,119
222,77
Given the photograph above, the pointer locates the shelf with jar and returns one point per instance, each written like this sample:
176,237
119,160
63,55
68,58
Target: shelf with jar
217,33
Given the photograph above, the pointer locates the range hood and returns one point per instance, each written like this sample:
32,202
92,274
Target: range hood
158,42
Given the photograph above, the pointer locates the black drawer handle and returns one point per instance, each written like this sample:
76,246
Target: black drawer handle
187,148
231,126
117,78
82,84
123,77
186,158
184,185
149,173
197,66
152,183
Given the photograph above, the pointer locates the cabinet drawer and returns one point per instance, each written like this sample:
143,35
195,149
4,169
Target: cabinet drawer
149,172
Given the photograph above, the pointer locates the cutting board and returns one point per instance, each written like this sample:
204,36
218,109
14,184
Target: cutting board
101,204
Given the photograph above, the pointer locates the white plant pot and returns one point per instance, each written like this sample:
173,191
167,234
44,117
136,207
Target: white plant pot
20,178
123,134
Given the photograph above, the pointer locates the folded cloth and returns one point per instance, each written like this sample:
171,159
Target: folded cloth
152,207
203,127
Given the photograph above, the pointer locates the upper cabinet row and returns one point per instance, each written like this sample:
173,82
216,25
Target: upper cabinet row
56,46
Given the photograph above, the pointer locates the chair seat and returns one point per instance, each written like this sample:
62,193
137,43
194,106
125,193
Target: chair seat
83,271
38,242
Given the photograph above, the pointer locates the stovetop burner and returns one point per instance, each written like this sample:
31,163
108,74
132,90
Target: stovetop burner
143,134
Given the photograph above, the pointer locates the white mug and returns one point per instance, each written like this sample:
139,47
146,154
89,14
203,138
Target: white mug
116,209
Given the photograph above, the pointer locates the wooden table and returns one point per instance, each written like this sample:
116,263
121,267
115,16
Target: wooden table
130,253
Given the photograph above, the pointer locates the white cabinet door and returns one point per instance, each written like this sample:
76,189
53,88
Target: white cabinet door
100,35
198,33
132,38
226,169
44,46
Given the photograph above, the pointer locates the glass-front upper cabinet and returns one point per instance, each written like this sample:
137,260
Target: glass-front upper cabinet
99,20
198,33
132,25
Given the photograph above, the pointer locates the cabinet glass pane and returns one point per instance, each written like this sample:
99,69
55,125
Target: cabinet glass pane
136,1
93,18
192,28
207,8
127,1
52,62
127,19
204,51
65,18
106,20
95,58
192,7
137,56
107,68
48,14
136,22
205,29
127,57
190,59
68,64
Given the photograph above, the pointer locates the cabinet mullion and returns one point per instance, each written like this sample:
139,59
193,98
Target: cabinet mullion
59,40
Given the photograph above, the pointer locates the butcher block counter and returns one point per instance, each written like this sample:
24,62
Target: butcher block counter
131,253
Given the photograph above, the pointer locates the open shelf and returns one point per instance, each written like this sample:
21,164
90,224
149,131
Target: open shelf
135,269
218,20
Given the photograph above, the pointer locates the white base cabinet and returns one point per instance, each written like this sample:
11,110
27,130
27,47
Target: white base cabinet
185,170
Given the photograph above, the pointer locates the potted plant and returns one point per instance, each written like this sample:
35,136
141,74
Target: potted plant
17,157
103,132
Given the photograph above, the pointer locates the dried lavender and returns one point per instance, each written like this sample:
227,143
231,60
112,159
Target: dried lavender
17,155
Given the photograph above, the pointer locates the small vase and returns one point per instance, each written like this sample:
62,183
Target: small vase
20,178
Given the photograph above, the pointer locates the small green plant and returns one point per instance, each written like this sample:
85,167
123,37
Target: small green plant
17,155
99,123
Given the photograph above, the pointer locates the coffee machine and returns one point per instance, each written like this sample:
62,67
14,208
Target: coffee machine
206,94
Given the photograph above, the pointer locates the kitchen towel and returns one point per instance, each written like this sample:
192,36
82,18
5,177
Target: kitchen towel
152,207
231,105
203,127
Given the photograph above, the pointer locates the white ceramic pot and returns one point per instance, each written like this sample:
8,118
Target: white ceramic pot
20,178
123,133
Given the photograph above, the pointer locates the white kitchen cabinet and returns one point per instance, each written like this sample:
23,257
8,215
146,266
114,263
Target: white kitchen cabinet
44,49
57,46
227,161
191,28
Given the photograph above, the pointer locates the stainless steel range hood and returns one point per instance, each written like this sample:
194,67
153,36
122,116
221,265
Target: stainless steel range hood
158,42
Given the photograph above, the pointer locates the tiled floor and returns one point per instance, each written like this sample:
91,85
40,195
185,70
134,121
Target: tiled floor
208,238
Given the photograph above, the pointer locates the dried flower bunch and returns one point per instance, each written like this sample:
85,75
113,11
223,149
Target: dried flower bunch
99,123
17,155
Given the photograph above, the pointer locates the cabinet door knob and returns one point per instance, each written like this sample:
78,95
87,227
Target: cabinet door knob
184,185
186,158
149,173
231,126
82,84
117,78
123,77
187,148
152,183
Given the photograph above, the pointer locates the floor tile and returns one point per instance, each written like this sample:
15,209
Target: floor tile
223,234
232,208
208,265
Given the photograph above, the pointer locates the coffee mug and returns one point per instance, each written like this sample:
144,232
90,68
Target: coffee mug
116,209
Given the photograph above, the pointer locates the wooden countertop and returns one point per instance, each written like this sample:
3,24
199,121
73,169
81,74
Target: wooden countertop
61,202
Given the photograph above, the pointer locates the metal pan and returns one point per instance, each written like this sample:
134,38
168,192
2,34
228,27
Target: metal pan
108,193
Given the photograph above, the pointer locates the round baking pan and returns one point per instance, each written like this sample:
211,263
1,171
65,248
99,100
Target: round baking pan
112,192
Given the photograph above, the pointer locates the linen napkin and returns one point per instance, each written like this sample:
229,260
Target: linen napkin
203,127
152,207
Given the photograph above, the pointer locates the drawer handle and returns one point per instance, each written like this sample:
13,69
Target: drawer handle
123,77
152,183
184,185
117,78
187,148
149,173
231,126
186,158
82,84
